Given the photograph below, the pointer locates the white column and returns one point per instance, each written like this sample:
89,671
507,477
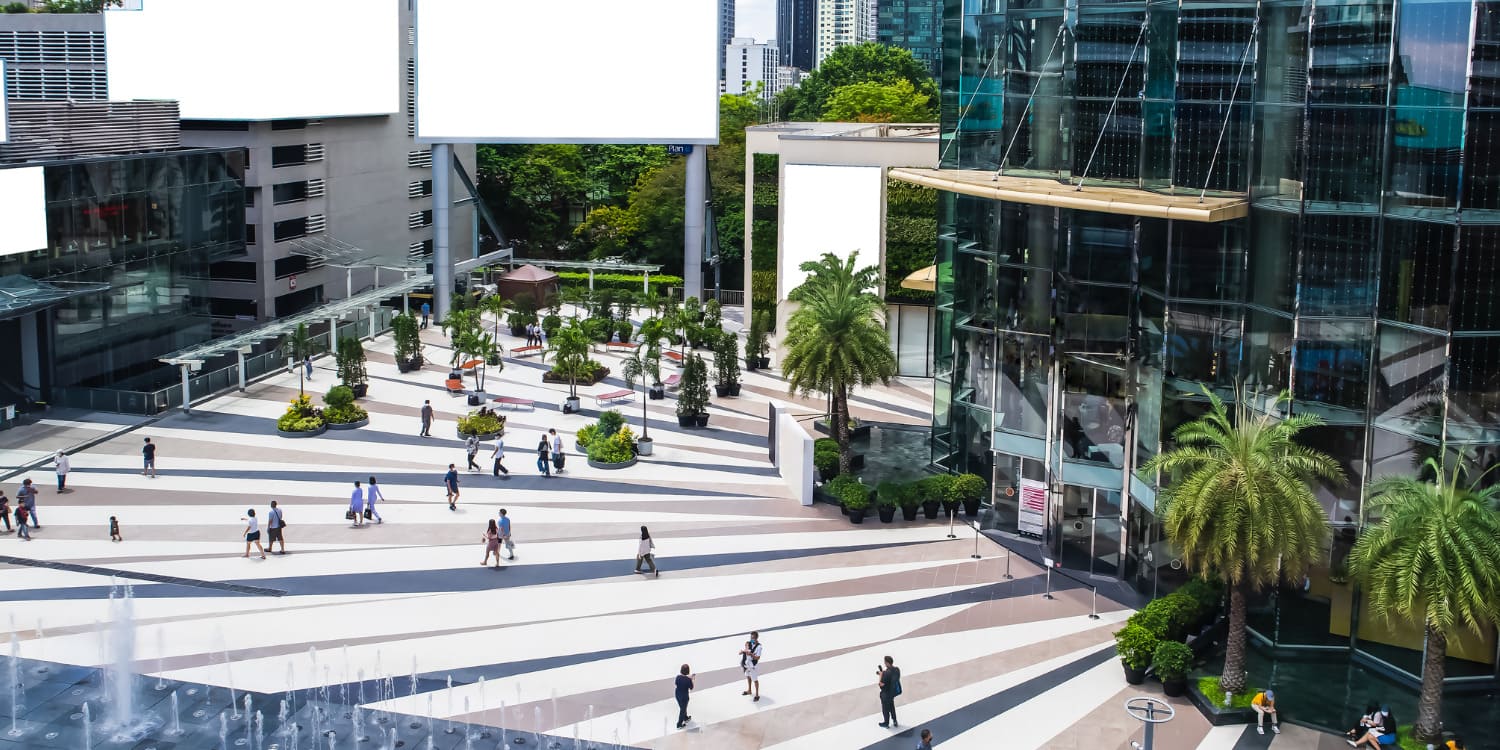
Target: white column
442,256
694,198
241,356
187,397
646,282
348,282
373,310
333,335
591,279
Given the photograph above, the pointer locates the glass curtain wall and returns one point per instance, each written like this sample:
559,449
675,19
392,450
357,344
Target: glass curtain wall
1362,133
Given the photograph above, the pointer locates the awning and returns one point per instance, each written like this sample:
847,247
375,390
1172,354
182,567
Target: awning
922,280
20,295
1109,199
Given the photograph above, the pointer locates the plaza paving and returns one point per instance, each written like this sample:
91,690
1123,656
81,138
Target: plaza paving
565,638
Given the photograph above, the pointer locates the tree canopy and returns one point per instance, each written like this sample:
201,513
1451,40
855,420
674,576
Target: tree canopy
869,101
856,64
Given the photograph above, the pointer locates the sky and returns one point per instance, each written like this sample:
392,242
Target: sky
755,18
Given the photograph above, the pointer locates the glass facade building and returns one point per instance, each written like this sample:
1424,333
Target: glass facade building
131,241
1355,148
914,25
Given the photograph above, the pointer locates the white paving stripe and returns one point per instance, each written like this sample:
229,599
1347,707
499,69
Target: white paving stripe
1031,724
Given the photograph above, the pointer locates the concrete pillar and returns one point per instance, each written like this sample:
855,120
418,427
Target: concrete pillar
442,255
646,282
348,282
240,355
333,335
694,200
187,396
591,279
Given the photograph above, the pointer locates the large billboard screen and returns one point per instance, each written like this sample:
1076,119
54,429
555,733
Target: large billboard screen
828,209
261,60
582,71
23,210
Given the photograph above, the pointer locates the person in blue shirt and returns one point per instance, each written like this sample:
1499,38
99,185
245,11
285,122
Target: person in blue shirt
684,684
510,546
357,504
450,481
426,313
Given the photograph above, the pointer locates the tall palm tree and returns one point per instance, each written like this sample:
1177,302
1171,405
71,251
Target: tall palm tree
1433,558
1238,505
836,340
495,305
569,348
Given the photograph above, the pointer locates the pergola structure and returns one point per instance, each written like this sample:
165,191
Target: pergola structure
603,266
331,251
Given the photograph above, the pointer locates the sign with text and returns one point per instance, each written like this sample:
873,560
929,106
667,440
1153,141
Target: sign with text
1033,509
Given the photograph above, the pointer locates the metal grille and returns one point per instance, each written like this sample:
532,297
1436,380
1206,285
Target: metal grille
316,188
418,219
421,159
41,130
411,86
314,152
418,189
54,65
316,223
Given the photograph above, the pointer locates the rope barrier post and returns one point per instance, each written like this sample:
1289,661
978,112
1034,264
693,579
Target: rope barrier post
1094,609
1048,593
1008,576
976,542
951,535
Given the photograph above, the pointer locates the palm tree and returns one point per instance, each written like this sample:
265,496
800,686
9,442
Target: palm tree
836,339
299,344
643,362
1434,558
569,348
1238,505
495,305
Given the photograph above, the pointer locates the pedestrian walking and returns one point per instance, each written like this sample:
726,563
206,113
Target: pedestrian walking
21,532
498,456
426,419
5,512
643,553
544,456
450,481
307,366
510,544
357,505
491,544
685,679
926,742
373,493
114,530
471,446
426,313
276,529
530,334
26,498
888,679
252,533
750,664
557,451
148,457
62,465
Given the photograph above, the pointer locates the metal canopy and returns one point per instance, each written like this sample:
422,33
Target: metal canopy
589,265
339,254
22,294
362,302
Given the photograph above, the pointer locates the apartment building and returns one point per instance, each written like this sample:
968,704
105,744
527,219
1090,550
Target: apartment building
842,22
750,65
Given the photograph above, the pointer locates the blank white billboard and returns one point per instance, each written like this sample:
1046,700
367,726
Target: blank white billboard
23,210
260,60
573,71
828,210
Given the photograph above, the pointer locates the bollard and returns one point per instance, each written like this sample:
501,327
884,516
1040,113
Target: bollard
1008,576
1048,593
1094,608
951,535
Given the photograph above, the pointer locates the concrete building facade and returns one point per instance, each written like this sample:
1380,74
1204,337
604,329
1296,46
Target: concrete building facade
842,22
797,32
752,64
914,25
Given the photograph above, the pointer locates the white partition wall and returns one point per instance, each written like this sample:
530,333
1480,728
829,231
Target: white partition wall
826,209
23,210
581,71
794,456
261,60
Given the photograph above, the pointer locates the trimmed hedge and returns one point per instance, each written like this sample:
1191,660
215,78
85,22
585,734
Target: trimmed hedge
621,281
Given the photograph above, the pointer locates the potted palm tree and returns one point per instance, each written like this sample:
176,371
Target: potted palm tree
404,329
298,345
653,335
1236,504
763,319
570,356
755,341
692,400
727,365
1432,560
836,340
643,365
350,362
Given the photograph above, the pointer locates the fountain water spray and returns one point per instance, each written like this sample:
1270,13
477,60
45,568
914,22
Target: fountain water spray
357,719
176,715
122,648
413,690
361,674
260,730
449,691
536,734
161,652
88,728
391,743
15,680
223,731
248,717
502,721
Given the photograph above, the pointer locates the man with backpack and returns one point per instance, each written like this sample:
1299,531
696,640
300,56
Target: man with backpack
888,679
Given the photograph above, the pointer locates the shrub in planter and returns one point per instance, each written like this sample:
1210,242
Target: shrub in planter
935,489
300,416
617,448
481,424
404,330
623,331
599,329
692,397
551,323
826,462
585,435
887,499
727,365
610,422
350,364
910,500
1205,593
853,496
1171,662
967,489
1136,646
755,341
340,407
518,320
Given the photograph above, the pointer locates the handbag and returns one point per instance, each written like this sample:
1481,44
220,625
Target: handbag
367,514
349,515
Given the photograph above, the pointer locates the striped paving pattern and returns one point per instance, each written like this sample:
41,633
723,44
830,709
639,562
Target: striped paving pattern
565,639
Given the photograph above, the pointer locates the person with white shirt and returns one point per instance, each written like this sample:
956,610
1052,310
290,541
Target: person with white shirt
499,455
643,553
62,465
373,493
750,664
252,533
557,451
275,525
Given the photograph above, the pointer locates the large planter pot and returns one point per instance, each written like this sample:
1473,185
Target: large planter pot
1174,688
492,360
700,420
621,465
857,516
930,508
548,377
348,425
644,446
862,432
909,512
482,438
827,475
1133,676
571,404
409,365
476,398
518,330
765,363
887,513
307,434
734,389
950,507
971,507
722,391
657,392
687,420
360,389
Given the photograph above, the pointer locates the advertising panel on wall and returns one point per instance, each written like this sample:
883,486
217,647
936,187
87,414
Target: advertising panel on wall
23,210
1033,509
329,58
584,71
826,209
4,112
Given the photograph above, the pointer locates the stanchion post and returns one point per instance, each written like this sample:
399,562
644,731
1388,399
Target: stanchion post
1048,593
976,542
951,535
1094,609
1008,576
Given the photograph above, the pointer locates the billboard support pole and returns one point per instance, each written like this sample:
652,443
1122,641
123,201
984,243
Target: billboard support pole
694,197
442,256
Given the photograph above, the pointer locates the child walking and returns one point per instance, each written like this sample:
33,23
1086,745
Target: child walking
114,530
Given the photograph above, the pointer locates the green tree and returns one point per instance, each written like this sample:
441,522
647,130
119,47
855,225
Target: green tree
1238,505
297,345
644,363
569,348
871,101
855,63
78,6
836,339
1433,558
608,231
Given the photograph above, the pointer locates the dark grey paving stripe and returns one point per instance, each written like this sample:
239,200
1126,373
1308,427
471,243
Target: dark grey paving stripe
956,722
236,588
523,476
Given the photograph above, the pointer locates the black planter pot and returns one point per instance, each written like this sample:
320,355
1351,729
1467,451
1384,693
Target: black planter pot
909,512
1174,688
734,389
950,507
571,404
687,420
887,513
828,474
930,508
518,330
700,421
971,507
409,365
657,392
1133,676
856,516
348,425
752,365
360,389
722,391
861,432
492,360
765,363
475,399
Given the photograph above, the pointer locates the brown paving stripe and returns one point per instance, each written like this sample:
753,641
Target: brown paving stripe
1108,727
